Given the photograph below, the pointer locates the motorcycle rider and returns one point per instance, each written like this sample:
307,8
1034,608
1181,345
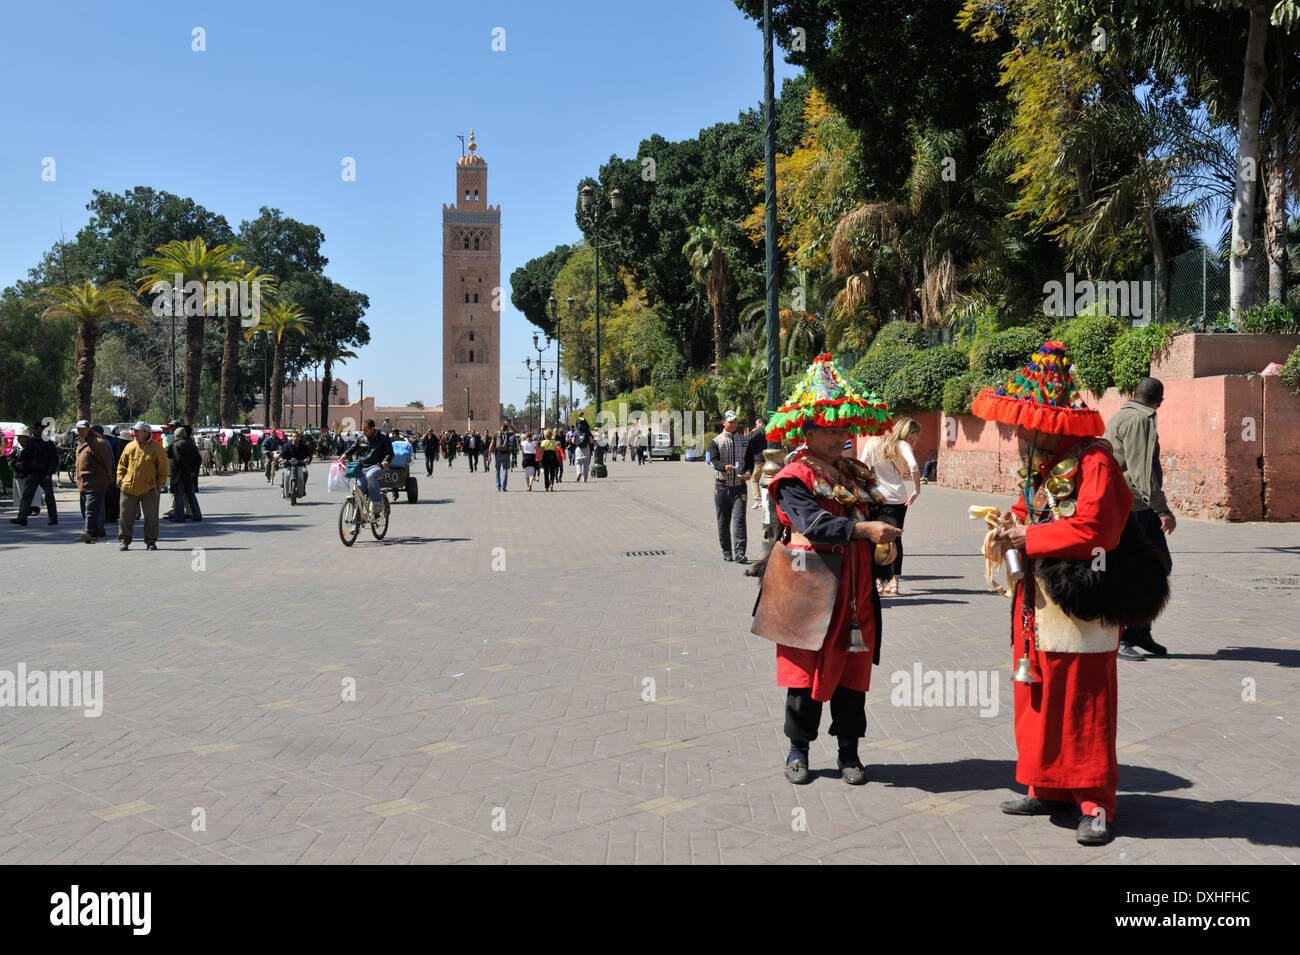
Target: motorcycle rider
298,449
270,445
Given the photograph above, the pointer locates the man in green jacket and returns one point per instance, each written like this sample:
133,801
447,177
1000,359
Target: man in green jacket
1136,446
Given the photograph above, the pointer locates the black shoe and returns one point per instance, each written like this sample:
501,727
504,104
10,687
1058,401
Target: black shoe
1028,806
727,557
150,546
18,520
852,771
742,559
123,546
796,770
1126,652
1093,831
52,523
1151,647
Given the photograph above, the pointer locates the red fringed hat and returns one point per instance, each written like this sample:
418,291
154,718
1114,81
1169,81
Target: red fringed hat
1042,398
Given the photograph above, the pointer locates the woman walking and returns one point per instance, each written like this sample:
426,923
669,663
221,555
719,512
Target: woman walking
529,449
891,456
550,458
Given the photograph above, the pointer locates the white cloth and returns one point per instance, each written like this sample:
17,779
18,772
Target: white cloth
888,479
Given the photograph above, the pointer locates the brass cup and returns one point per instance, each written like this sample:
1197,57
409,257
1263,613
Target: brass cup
1059,487
885,553
1065,468
1065,508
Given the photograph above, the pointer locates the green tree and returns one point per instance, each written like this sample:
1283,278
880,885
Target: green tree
91,308
707,254
530,286
280,321
192,261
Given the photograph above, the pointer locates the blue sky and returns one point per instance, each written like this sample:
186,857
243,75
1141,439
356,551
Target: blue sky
115,94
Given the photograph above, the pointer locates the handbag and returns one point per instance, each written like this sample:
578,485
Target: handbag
338,479
797,599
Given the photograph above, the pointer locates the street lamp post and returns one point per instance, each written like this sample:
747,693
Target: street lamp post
528,363
594,220
569,301
542,375
266,382
469,417
541,391
361,408
552,306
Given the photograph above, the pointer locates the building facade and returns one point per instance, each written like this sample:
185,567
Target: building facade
471,300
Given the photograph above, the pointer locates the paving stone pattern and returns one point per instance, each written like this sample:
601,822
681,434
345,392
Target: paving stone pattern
506,715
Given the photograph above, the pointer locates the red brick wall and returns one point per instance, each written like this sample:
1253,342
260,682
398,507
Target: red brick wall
1213,434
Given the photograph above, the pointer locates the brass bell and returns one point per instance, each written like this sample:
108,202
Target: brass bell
885,553
1066,468
1025,669
856,644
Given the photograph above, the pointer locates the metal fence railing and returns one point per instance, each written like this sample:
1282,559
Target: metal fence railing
1199,287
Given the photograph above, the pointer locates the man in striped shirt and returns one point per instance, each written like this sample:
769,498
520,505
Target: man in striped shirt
728,459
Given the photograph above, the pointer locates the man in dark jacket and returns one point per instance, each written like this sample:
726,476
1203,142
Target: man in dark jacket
375,456
1136,446
270,444
754,449
185,463
35,462
94,472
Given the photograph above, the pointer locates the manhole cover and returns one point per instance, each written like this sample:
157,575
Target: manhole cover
645,553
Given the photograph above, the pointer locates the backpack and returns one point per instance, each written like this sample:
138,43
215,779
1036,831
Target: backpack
580,438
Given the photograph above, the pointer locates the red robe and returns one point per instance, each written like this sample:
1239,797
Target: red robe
833,665
1066,725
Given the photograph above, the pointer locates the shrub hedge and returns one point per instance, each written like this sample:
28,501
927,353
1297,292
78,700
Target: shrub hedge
1011,348
918,385
874,369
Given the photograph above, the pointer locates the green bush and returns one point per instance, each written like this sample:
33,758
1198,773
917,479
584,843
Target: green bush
668,370
873,371
958,393
919,384
1007,349
1133,351
1291,372
900,334
1089,342
1272,319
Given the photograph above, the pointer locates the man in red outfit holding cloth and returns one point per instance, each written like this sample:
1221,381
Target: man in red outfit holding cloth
819,602
1074,504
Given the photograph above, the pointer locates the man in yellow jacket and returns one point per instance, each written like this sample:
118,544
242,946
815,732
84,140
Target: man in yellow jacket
142,474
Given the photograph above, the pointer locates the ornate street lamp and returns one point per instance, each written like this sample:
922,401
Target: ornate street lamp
592,218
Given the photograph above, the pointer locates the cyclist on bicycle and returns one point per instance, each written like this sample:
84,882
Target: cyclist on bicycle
375,452
300,450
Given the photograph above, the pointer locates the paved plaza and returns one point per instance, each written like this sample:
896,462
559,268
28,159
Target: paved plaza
498,681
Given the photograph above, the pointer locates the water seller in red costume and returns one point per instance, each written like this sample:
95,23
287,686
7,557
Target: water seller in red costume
818,602
1072,511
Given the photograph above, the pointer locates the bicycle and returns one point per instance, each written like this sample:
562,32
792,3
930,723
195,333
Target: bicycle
355,511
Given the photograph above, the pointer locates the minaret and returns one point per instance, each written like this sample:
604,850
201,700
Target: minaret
471,316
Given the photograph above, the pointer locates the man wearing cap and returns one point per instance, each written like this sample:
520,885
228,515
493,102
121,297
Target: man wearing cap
1073,506
727,454
142,474
94,478
35,462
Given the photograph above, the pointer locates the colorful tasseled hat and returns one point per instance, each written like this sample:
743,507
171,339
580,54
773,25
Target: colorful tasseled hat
1042,398
825,397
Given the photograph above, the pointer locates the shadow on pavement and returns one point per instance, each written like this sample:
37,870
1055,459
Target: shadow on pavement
422,540
964,775
1143,816
1281,657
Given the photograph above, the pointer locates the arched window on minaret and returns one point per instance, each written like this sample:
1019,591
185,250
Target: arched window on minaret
467,298
476,243
476,298
471,355
471,336
476,195
467,242
467,195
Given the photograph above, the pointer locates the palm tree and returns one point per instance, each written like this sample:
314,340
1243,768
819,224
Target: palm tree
330,353
193,261
279,320
740,379
266,286
808,317
90,307
708,257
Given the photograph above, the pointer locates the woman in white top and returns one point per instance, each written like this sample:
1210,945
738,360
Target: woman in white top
890,455
529,449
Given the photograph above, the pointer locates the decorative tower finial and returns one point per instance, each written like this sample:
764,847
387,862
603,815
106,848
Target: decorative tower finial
472,147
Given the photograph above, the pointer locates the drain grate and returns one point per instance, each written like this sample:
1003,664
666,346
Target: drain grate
1278,581
645,553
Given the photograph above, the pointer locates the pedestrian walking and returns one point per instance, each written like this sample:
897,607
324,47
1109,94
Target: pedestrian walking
1131,432
501,455
94,478
35,461
142,474
184,462
528,448
893,459
550,458
728,460
583,443
430,445
754,459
